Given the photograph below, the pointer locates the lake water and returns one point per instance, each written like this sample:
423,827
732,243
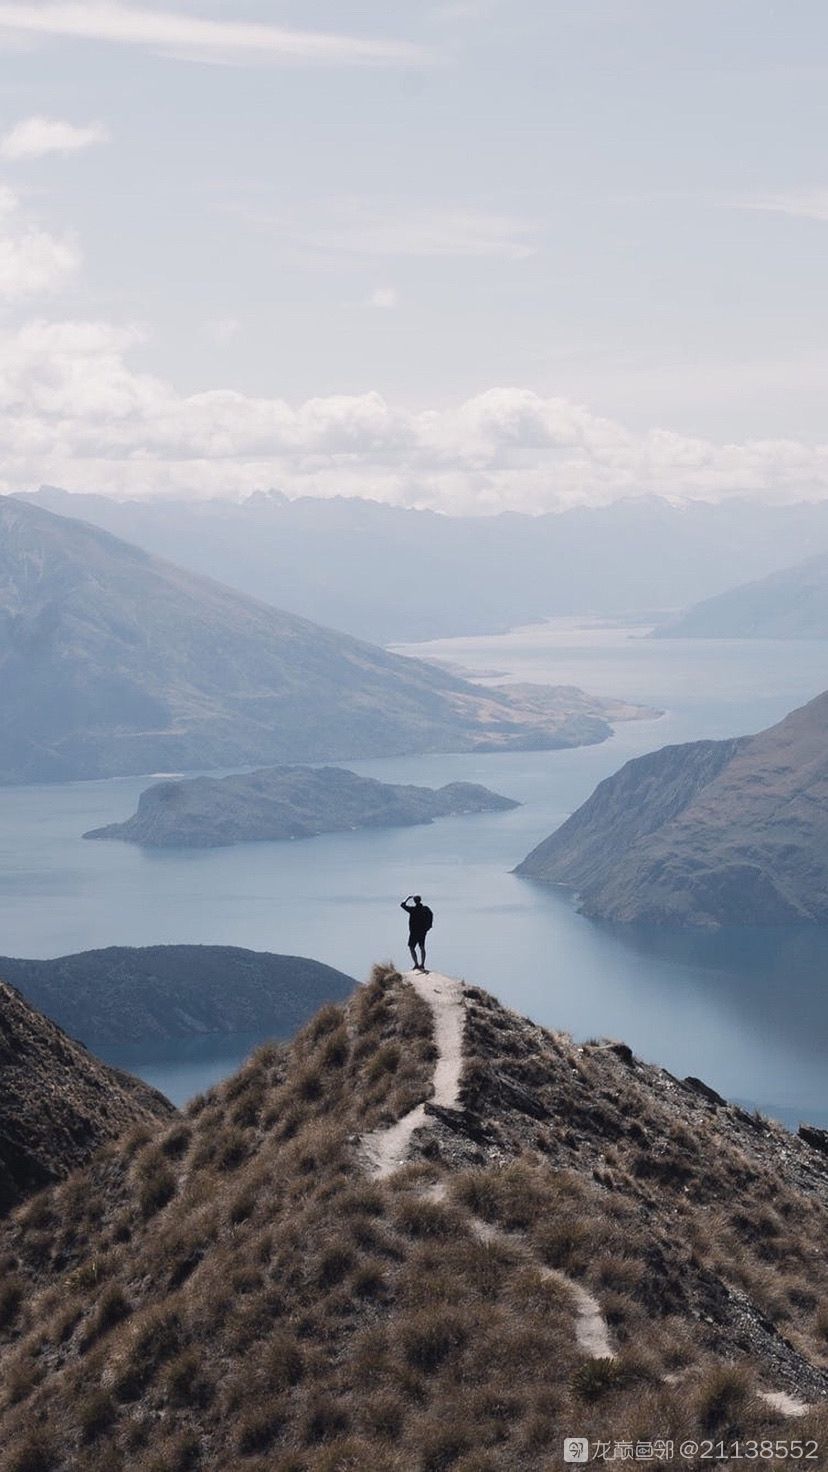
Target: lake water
746,1011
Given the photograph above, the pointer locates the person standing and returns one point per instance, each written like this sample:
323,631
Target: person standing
420,921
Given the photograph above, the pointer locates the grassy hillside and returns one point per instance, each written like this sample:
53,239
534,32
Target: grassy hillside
57,1102
235,1290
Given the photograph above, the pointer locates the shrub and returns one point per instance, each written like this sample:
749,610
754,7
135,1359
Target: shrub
186,1382
154,1339
112,1308
369,1280
33,1452
284,1362
429,1337
96,1413
595,1377
324,1418
259,1428
385,1060
231,1150
336,1050
156,1190
422,1218
383,1416
11,1297
335,1263
722,1396
176,1142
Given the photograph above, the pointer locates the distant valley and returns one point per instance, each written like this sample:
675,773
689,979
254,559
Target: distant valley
287,802
709,833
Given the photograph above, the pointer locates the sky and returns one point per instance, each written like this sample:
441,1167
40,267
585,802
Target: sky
468,254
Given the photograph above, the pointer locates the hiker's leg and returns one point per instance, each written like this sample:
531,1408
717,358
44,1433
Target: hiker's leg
413,951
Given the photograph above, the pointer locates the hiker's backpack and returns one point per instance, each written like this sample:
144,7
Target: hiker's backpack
428,918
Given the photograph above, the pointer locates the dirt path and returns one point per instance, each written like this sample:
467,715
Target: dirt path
386,1149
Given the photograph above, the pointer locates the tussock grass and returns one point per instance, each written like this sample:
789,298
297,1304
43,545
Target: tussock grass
231,1292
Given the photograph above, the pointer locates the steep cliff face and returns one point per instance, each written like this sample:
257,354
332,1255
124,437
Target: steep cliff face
728,832
58,1103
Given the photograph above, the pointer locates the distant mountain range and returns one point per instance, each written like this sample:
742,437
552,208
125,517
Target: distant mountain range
790,604
125,995
392,575
58,1104
710,833
114,662
287,802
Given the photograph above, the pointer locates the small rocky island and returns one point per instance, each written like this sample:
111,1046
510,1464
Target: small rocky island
287,802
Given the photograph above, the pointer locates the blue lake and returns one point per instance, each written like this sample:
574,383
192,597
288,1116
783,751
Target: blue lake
747,1011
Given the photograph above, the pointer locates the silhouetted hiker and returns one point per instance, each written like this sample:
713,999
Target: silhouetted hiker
420,921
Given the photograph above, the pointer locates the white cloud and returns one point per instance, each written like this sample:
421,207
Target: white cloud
33,137
74,412
32,260
434,231
386,298
803,204
192,36
222,329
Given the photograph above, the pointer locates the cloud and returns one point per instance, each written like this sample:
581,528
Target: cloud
434,231
222,329
32,260
803,204
33,137
199,38
74,412
386,298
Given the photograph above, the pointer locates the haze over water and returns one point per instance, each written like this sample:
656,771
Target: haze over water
746,1011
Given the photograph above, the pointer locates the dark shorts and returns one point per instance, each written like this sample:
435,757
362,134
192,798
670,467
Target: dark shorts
417,937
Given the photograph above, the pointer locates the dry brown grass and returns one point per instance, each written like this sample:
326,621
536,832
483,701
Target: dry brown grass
266,1308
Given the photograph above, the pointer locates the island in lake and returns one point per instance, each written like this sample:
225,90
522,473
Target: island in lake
287,802
146,994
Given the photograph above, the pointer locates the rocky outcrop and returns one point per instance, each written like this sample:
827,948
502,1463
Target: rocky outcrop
710,833
287,802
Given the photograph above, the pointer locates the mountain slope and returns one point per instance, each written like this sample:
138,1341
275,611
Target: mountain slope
113,662
287,802
124,995
250,1288
790,604
712,832
394,575
57,1102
